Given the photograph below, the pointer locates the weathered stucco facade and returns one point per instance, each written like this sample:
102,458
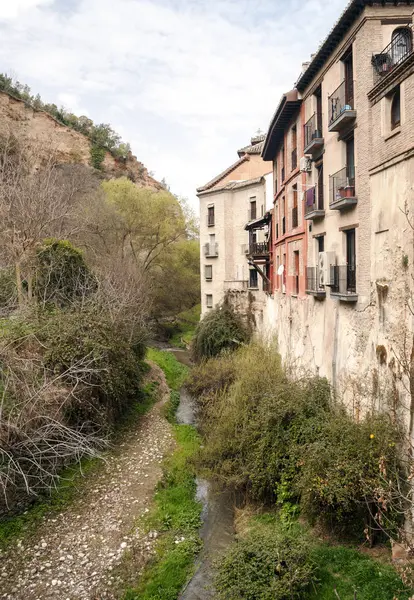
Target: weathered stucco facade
354,323
226,204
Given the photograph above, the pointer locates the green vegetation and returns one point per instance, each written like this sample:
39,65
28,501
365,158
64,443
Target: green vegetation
349,571
283,441
97,155
176,513
221,329
184,326
270,561
175,372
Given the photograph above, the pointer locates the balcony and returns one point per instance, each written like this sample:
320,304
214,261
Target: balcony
294,217
314,207
294,159
313,136
259,249
342,189
393,55
211,250
343,285
312,283
341,107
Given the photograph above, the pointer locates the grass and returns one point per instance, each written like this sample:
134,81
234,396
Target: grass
186,324
175,372
339,568
348,571
176,513
70,485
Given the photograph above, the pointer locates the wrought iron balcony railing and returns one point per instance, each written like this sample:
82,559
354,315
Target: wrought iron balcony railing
341,104
342,189
313,286
314,202
259,249
343,284
312,130
400,48
211,249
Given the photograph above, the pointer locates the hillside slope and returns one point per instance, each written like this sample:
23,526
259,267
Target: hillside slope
70,145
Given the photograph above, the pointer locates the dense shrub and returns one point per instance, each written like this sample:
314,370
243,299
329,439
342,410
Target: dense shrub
340,471
62,276
8,291
209,377
109,368
266,564
283,440
219,330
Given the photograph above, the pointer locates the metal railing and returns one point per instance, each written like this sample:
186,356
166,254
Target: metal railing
312,279
342,185
294,159
211,249
314,199
312,130
341,100
259,249
294,216
343,279
400,48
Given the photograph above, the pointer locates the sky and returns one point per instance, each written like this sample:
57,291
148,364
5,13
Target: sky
185,82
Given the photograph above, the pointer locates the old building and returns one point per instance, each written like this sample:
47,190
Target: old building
233,198
342,147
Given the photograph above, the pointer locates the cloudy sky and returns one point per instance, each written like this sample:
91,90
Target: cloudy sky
186,82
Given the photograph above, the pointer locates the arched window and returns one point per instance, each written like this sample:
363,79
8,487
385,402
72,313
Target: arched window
402,42
396,109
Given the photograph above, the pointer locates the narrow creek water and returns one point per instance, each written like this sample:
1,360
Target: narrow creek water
217,531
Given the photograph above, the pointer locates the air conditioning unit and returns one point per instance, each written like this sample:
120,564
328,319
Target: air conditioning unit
325,261
305,164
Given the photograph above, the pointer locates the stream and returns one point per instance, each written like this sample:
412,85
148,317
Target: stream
217,531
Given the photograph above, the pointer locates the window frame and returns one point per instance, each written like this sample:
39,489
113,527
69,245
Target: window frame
209,305
210,268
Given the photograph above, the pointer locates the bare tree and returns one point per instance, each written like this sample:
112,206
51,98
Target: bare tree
36,202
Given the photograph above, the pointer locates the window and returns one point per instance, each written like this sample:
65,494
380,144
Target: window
349,78
282,163
275,172
318,95
319,186
296,260
401,44
350,261
208,272
294,148
295,206
396,109
210,216
253,208
209,300
350,162
253,278
320,243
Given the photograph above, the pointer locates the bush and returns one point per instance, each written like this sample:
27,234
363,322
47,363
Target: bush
62,275
268,564
282,440
219,330
8,291
340,473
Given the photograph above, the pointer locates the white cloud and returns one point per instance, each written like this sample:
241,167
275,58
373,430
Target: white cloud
11,9
185,81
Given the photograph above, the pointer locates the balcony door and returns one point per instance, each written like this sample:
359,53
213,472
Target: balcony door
350,260
318,95
349,78
350,162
